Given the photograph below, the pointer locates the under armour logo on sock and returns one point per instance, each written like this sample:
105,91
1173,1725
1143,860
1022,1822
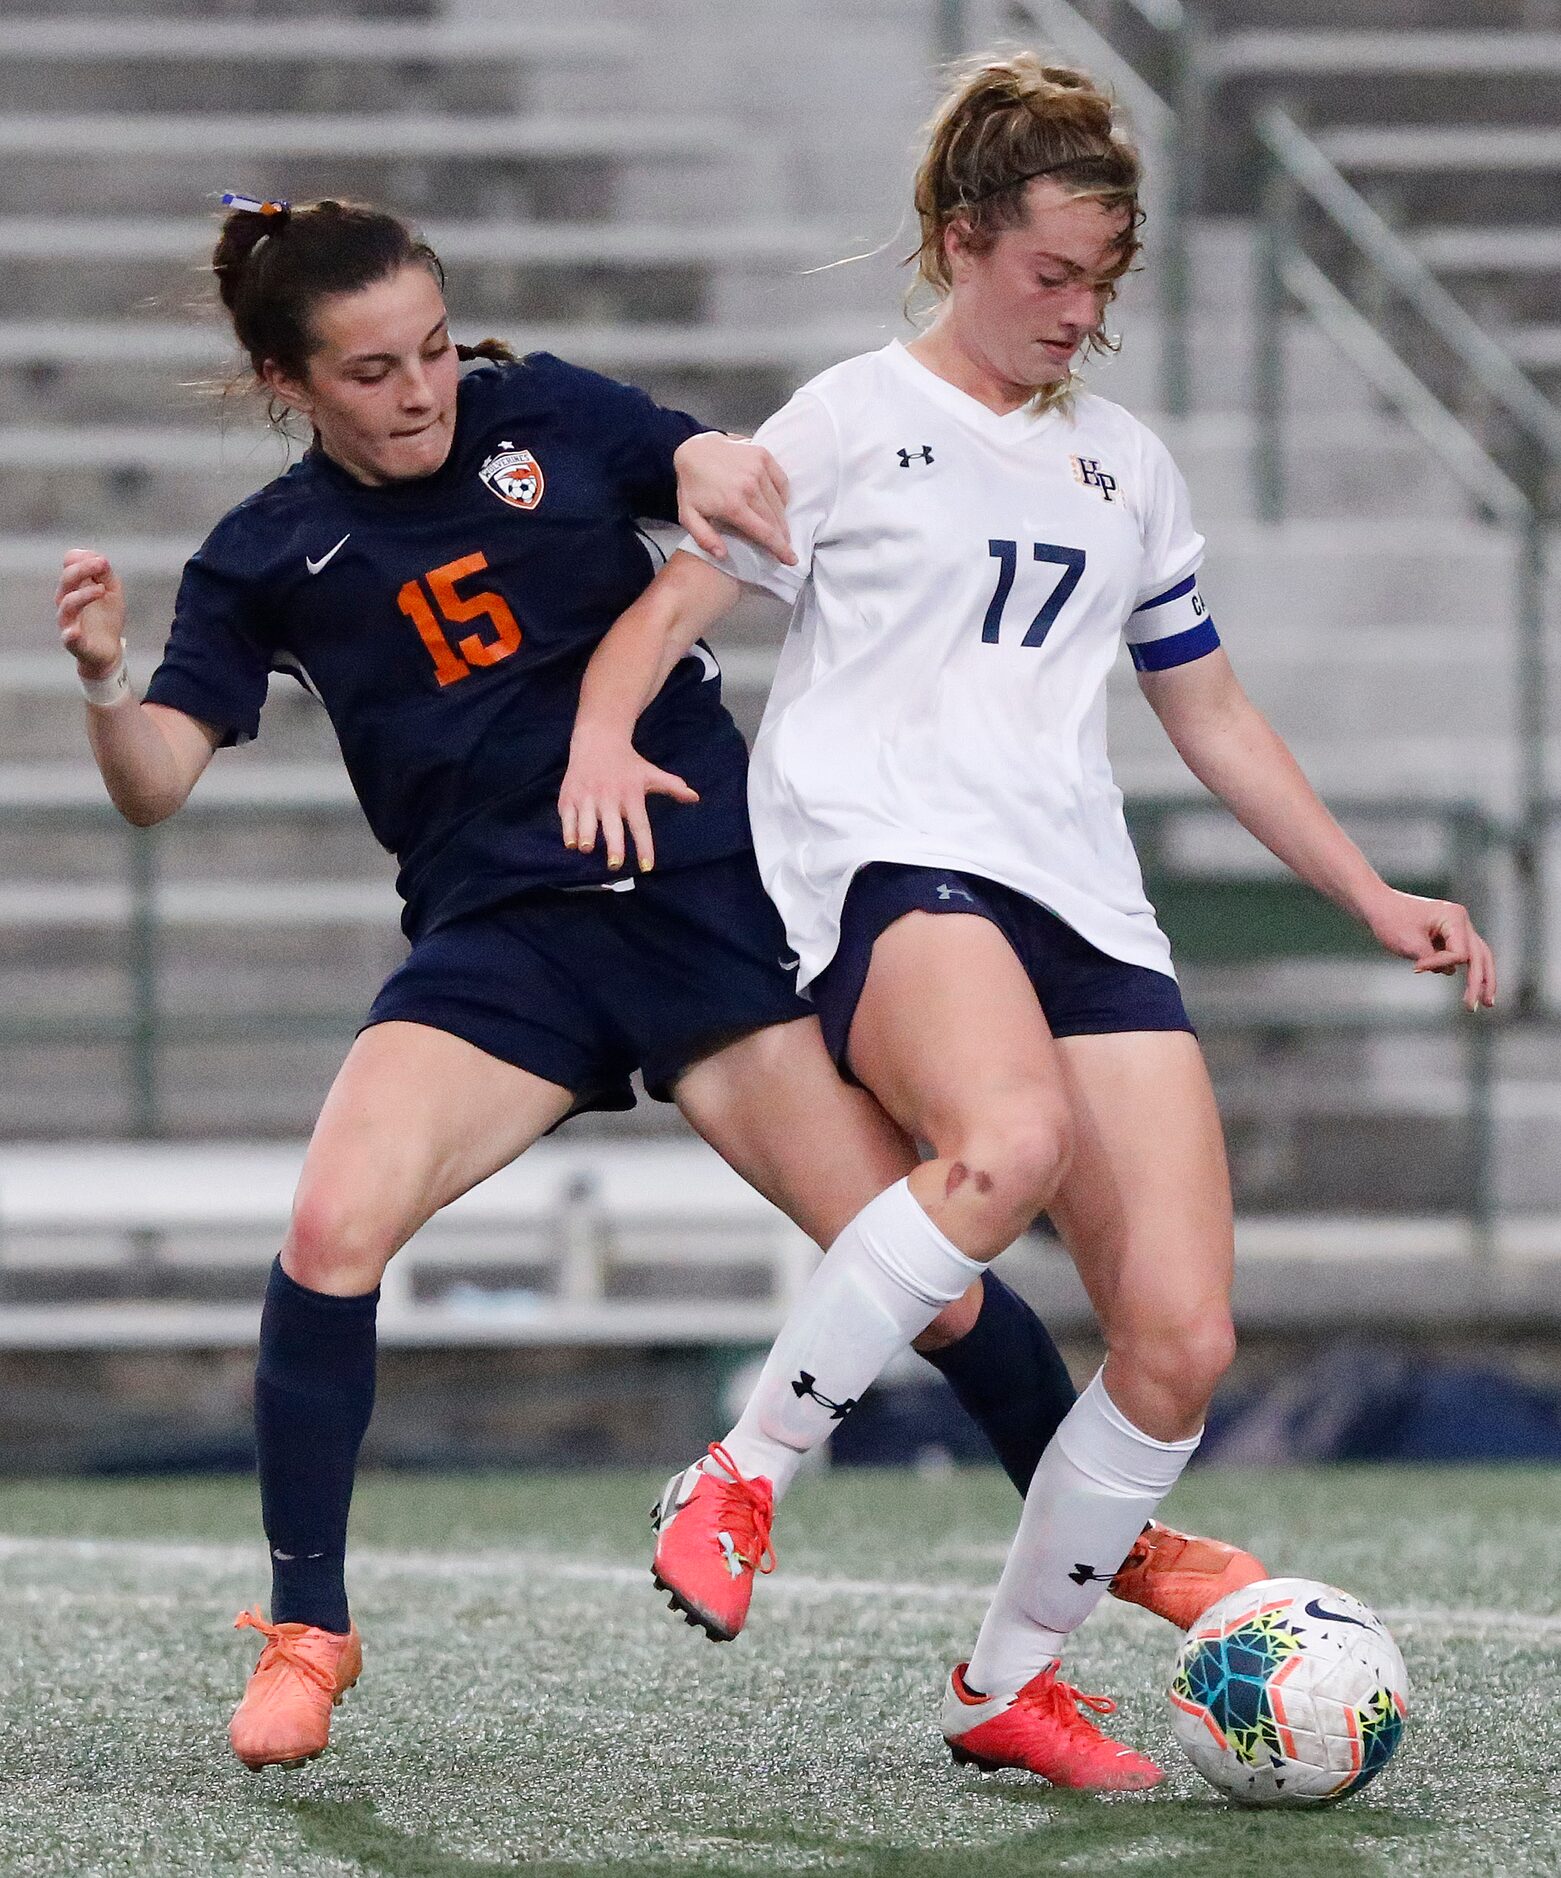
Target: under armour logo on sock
838,1411
1087,1575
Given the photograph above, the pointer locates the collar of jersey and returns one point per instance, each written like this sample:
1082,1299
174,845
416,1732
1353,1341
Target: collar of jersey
959,403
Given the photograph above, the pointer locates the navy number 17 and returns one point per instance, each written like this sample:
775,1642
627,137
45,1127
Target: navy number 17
1006,554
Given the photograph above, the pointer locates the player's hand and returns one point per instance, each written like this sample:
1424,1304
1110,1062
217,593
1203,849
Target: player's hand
603,794
90,605
727,479
1440,937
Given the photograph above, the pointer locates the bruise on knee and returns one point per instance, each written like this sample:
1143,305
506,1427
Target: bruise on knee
959,1173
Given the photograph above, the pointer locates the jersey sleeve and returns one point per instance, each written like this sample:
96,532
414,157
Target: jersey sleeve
636,436
1169,624
802,438
215,664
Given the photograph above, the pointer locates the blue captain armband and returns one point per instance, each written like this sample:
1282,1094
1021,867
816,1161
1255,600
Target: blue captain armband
1171,628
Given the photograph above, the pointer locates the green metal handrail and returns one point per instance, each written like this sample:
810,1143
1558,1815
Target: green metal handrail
143,1027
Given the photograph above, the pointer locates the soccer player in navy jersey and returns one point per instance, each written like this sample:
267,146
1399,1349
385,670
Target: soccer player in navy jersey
438,569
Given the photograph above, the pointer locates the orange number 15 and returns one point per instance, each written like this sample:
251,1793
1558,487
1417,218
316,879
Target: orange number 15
453,662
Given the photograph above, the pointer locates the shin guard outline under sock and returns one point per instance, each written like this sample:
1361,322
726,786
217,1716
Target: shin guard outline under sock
1097,1484
881,1283
314,1394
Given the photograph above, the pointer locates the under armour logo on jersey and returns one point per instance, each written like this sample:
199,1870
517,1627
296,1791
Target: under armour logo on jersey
908,457
946,892
1087,1575
1089,472
803,1386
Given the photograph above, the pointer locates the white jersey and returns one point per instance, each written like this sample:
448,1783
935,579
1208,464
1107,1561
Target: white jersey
963,586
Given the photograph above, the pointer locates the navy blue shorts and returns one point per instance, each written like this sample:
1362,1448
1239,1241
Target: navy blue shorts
1083,991
584,987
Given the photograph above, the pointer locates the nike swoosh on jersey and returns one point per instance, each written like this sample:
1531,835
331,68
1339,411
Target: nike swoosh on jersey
314,567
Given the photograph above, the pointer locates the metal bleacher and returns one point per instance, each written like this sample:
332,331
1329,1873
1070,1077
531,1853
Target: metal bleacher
606,183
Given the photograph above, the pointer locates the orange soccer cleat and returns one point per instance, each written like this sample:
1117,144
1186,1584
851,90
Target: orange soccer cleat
303,1672
1178,1576
712,1536
1042,1730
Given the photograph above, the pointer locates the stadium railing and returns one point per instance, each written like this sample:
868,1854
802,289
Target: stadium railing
1167,65
1300,169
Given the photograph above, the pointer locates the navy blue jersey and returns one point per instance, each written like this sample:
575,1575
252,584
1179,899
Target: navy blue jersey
445,625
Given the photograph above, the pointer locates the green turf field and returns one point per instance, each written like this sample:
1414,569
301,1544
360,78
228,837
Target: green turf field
527,1701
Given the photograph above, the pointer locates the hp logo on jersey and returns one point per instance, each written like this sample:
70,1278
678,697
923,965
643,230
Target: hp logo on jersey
514,476
1089,472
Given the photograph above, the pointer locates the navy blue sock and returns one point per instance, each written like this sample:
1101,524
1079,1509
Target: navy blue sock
314,1393
1010,1378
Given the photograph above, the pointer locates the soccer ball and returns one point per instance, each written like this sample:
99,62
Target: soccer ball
1287,1693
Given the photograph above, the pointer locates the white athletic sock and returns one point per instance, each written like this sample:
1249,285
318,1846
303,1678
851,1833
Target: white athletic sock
1098,1482
881,1283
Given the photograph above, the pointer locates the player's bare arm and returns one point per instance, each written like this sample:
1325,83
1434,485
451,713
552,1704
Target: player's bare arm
1233,750
150,757
607,781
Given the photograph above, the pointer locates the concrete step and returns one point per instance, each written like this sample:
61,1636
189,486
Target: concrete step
55,372
510,273
1452,171
53,41
125,138
562,166
1386,15
1449,768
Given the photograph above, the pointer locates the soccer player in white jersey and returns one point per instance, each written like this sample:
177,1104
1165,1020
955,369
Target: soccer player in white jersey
936,820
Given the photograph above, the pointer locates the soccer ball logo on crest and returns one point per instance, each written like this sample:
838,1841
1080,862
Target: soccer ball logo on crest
514,476
1289,1692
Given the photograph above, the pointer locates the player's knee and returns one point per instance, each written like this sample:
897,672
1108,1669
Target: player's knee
333,1244
1185,1359
1017,1156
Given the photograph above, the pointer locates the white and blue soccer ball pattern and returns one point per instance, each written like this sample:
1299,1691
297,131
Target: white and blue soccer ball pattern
1289,1692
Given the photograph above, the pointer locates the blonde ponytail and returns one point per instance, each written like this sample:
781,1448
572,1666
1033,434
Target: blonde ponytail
1005,122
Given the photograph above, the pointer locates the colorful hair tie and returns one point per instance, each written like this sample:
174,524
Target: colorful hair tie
251,207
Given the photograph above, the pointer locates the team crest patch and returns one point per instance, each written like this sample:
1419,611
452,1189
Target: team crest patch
1093,476
514,476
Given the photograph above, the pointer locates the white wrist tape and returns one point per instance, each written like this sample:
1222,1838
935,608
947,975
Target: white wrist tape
112,690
